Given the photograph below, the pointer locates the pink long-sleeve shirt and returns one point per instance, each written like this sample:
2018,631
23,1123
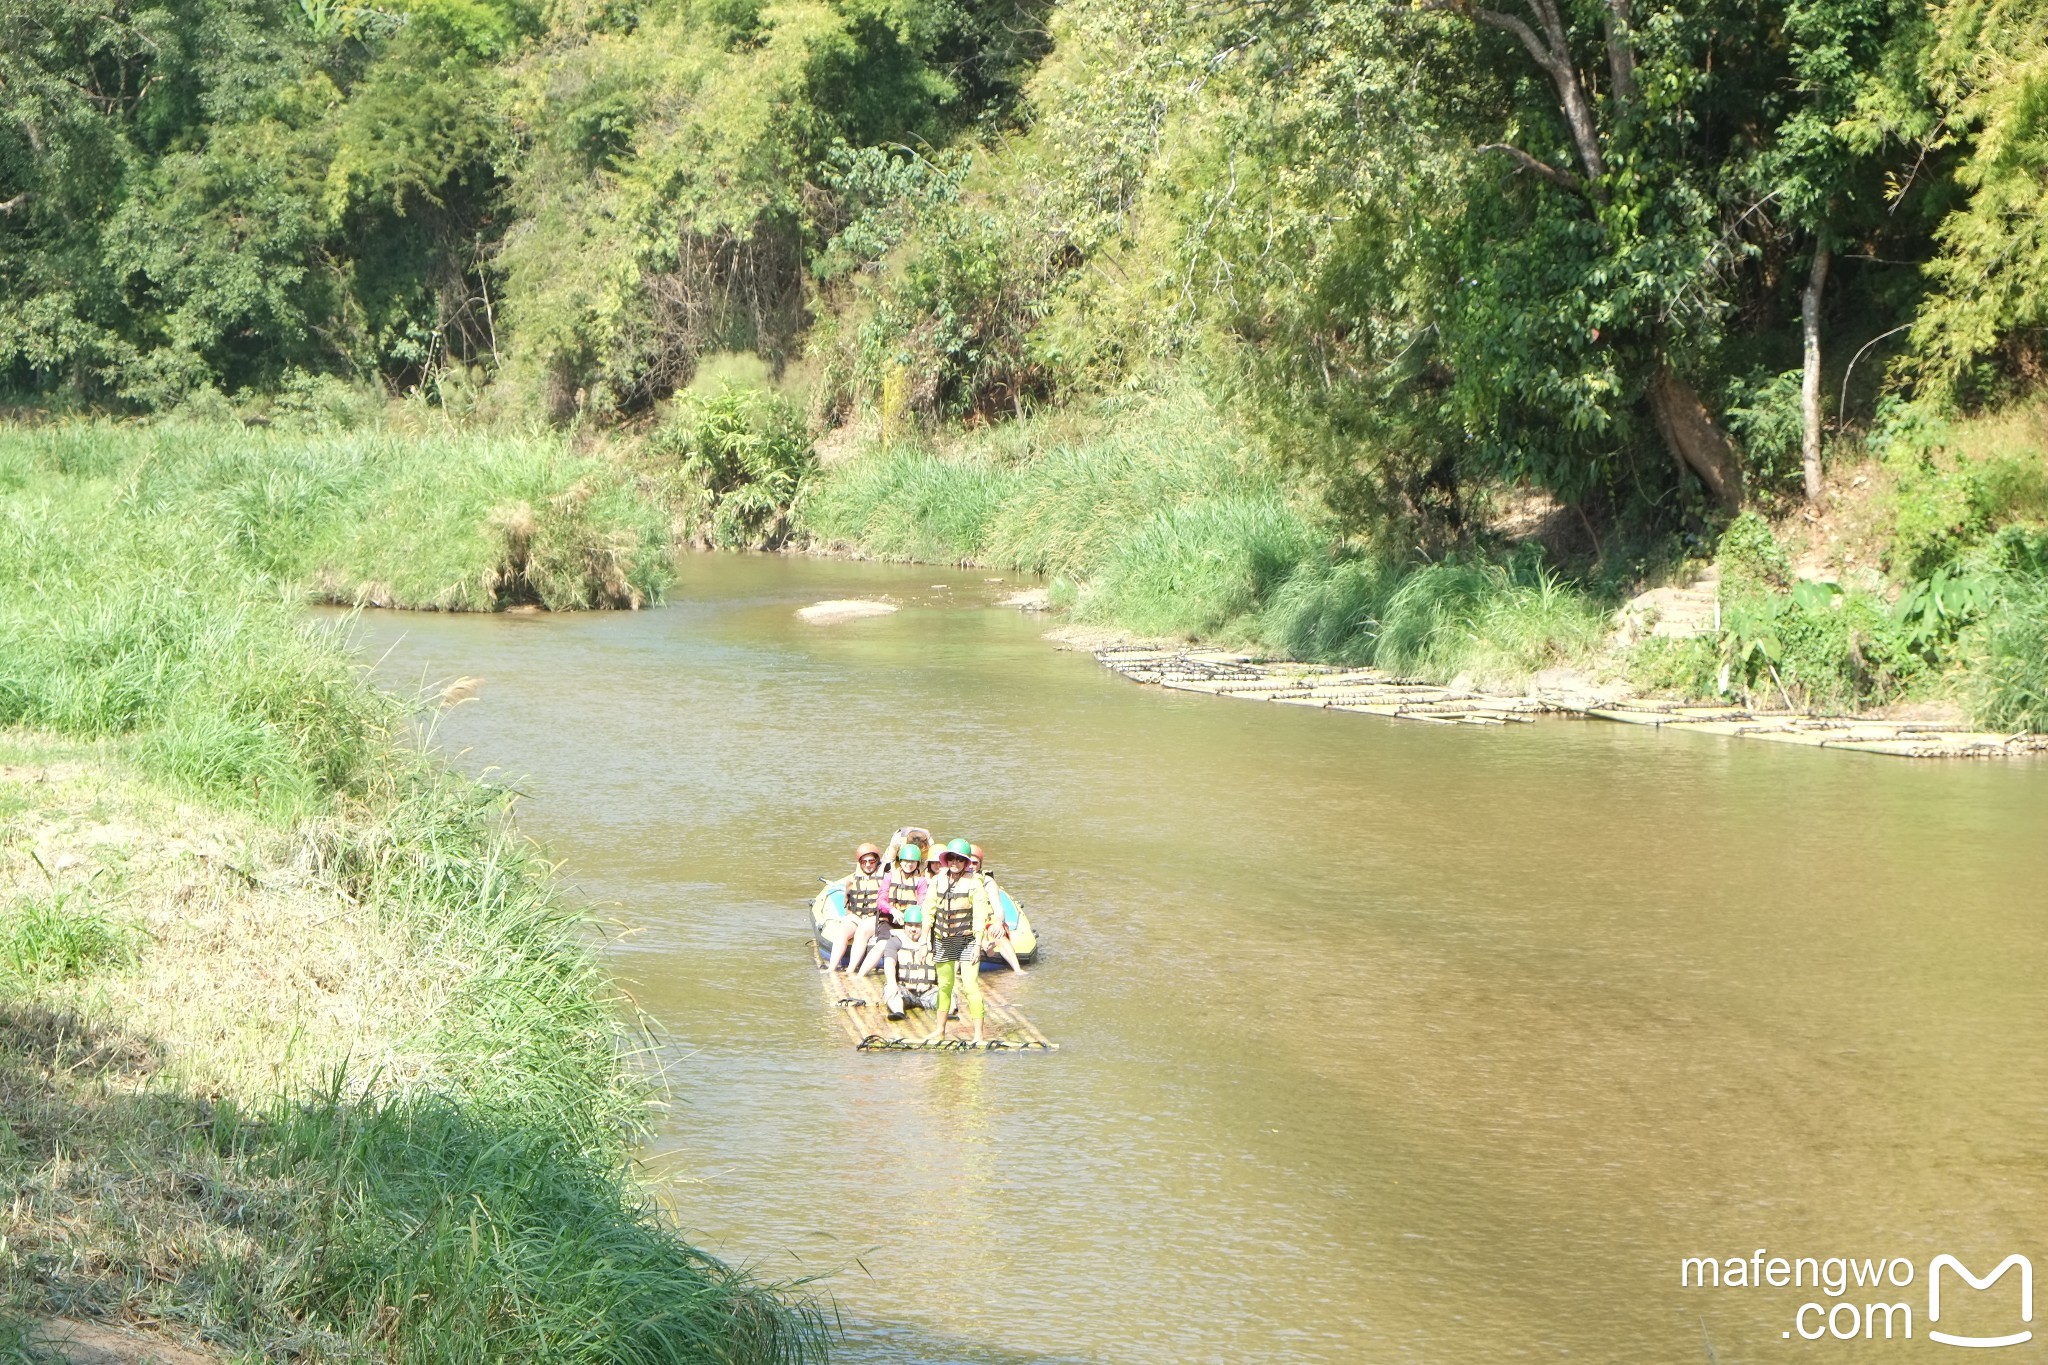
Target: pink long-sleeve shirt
920,883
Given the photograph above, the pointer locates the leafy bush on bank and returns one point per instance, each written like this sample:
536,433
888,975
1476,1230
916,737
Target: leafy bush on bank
1964,508
741,456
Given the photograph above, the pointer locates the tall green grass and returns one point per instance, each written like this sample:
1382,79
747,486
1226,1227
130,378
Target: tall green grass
443,519
2011,685
114,624
1158,519
490,1214
905,502
1496,623
468,1236
1200,567
50,937
1065,510
486,1212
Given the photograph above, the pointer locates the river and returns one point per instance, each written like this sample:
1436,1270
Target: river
1381,1041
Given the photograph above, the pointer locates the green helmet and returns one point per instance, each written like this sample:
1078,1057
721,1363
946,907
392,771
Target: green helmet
910,851
962,848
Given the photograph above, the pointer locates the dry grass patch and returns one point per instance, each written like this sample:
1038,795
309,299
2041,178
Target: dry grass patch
265,978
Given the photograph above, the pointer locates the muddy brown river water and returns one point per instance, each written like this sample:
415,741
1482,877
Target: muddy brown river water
1380,1041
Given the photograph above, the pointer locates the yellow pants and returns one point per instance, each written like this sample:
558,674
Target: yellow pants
970,986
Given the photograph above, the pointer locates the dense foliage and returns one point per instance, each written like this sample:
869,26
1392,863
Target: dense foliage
1422,247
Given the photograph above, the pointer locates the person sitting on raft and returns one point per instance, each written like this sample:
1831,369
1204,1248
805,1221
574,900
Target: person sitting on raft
900,891
956,911
859,901
910,979
998,925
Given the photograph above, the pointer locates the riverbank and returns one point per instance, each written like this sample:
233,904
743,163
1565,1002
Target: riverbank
394,510
1921,585
1368,691
305,1052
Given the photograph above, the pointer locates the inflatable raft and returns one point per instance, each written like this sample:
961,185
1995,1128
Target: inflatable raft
832,901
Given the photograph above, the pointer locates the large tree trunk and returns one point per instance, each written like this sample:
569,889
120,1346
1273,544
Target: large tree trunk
1695,439
1809,387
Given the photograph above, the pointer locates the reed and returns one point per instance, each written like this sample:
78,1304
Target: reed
2010,689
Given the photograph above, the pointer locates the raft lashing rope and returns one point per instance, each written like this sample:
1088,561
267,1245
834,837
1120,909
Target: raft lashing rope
856,1001
875,1042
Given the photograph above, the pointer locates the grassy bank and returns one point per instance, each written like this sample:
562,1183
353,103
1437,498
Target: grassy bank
1925,582
1158,518
301,1052
435,517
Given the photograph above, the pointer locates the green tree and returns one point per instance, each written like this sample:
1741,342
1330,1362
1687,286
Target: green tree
1990,71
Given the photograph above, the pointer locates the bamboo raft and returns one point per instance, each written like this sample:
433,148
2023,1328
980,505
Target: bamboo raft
857,1003
1898,738
1372,691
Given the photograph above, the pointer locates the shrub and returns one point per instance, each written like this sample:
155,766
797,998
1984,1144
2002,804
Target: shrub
1955,483
1689,665
1816,646
743,454
1768,417
1750,559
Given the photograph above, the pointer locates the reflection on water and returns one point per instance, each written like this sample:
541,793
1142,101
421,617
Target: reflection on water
1380,1042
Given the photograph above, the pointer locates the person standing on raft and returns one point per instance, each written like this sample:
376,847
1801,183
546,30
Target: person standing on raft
956,912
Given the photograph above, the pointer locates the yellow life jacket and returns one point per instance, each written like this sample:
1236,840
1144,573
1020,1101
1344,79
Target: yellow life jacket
861,891
953,910
903,900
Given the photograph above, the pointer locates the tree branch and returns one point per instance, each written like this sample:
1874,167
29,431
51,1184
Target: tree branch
1555,57
9,206
1553,28
1535,167
1507,23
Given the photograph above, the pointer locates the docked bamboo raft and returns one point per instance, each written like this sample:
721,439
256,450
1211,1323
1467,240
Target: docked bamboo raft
1899,738
1372,691
857,1003
1369,691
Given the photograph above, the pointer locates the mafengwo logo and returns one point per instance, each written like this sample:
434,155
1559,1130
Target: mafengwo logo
1859,1299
